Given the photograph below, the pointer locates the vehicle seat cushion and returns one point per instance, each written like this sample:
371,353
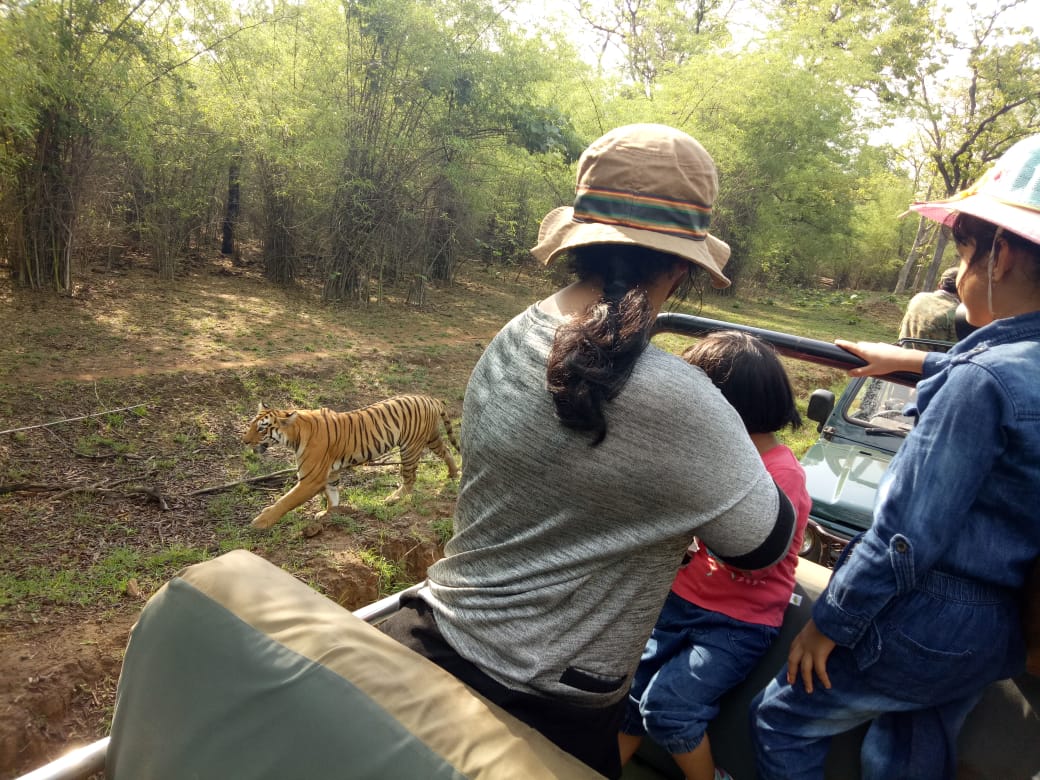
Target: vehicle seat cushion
237,669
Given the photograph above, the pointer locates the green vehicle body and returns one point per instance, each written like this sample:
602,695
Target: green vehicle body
844,467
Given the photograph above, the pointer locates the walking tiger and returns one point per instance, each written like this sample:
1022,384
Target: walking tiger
326,442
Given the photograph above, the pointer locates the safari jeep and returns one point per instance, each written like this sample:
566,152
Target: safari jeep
236,670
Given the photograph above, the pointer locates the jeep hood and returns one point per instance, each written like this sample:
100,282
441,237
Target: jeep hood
842,480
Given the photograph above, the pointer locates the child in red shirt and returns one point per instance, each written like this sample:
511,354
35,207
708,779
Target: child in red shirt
719,621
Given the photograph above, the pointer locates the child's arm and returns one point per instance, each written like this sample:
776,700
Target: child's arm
808,655
883,358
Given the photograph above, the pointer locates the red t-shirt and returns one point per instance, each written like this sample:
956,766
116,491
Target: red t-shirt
759,596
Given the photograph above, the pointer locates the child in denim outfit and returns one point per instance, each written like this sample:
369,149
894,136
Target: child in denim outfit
719,621
923,609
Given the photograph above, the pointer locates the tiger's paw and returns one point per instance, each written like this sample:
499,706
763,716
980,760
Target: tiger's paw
263,520
397,495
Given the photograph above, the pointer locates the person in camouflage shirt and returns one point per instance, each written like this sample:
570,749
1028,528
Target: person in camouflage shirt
930,315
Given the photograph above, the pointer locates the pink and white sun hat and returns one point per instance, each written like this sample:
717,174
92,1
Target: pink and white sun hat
1008,194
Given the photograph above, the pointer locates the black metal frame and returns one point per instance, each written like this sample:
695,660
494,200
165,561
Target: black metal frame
822,352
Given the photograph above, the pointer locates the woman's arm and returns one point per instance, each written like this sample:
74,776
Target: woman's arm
774,547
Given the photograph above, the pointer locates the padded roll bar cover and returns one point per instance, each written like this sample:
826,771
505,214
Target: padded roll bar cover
237,669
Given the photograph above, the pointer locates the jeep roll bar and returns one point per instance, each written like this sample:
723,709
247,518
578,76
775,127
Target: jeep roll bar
822,352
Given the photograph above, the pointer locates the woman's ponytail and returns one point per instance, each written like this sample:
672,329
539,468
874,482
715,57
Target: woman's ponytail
594,354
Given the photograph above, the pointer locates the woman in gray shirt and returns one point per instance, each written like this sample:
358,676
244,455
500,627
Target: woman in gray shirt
585,475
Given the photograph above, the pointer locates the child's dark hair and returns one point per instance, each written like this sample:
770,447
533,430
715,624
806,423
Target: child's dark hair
967,228
751,377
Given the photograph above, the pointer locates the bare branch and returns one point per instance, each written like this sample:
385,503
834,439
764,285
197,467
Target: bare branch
247,481
72,419
97,489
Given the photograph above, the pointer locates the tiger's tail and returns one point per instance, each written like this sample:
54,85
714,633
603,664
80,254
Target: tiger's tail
449,430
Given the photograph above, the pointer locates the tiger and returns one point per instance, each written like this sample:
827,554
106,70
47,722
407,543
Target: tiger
326,441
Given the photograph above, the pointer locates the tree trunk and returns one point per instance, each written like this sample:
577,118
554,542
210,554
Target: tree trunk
227,242
46,194
279,242
442,233
345,279
911,259
933,267
278,236
352,233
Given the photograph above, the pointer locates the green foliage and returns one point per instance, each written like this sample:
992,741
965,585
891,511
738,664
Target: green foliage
80,68
544,130
656,37
444,528
391,140
784,145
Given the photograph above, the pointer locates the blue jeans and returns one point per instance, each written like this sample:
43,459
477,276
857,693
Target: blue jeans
692,658
917,673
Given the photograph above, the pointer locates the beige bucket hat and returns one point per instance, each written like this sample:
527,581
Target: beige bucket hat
644,184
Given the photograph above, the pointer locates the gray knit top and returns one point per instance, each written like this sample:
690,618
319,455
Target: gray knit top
563,553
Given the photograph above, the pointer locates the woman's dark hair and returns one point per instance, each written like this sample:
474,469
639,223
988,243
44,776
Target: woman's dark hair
751,377
593,355
967,228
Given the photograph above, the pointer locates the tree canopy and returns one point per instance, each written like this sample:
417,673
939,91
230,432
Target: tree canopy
358,142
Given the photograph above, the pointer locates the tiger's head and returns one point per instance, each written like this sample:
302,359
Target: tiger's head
268,427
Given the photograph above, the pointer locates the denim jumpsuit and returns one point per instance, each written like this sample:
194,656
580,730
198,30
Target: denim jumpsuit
924,606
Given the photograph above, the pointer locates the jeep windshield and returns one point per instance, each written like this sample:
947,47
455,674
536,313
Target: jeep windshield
878,406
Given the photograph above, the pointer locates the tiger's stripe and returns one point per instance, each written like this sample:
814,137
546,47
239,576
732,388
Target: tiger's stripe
325,442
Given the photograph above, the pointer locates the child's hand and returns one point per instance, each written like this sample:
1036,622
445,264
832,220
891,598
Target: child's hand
808,654
882,358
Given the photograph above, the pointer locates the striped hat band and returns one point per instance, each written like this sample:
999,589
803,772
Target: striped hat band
644,212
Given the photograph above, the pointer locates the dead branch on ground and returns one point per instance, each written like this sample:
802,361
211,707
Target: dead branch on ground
247,481
269,477
104,488
71,419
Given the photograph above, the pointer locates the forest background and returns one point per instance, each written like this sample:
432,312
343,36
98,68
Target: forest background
366,142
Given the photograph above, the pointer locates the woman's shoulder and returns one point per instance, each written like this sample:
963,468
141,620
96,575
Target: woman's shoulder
655,360
531,324
663,386
660,374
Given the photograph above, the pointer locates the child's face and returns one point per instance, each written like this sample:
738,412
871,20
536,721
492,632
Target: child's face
973,285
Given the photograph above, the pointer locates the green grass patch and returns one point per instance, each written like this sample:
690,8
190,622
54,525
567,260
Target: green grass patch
392,575
444,527
103,583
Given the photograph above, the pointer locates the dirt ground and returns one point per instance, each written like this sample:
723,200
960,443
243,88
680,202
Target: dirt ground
196,353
